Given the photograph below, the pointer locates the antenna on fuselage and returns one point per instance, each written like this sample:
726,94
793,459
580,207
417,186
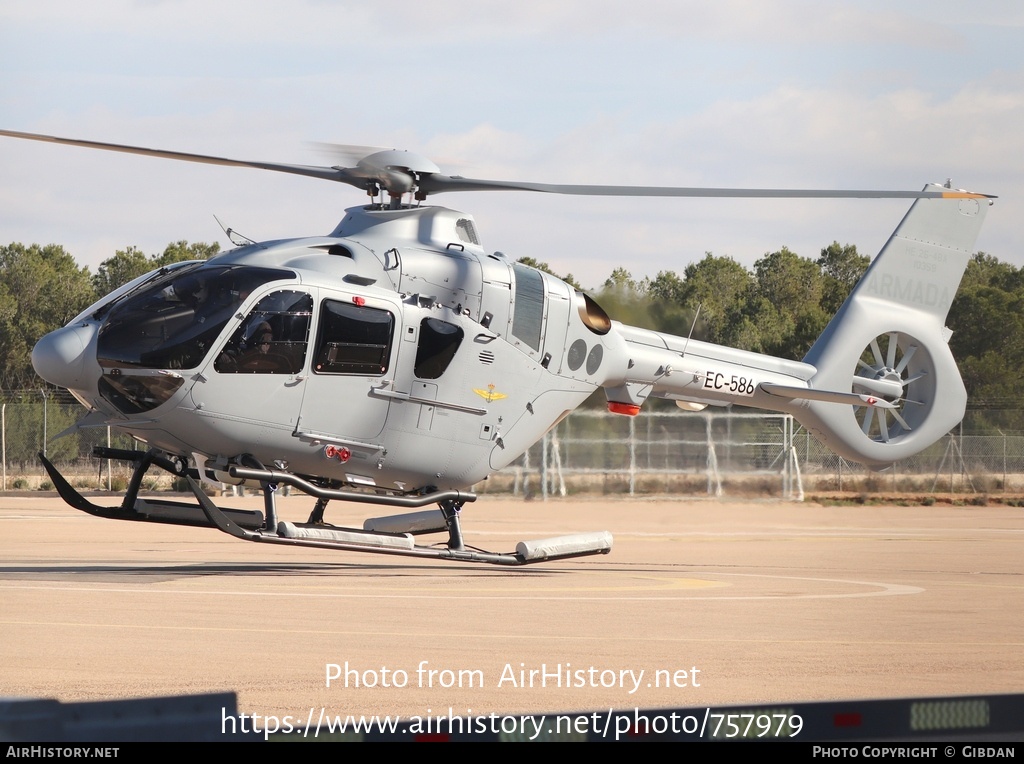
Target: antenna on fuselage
692,327
233,236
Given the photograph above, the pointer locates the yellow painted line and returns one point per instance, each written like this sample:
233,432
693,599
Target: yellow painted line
532,589
505,635
609,594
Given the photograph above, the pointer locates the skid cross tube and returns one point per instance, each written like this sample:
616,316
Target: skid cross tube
208,515
251,525
224,523
409,501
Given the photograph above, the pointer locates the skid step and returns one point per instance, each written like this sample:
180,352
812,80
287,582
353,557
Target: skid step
344,535
427,521
560,547
175,512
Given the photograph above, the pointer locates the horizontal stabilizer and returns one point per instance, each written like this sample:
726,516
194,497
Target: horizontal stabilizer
91,420
854,399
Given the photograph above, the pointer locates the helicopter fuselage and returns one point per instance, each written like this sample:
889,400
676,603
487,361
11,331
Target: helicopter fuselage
347,357
397,355
396,362
394,354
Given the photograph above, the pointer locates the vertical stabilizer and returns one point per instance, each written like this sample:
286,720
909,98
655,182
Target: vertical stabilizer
889,339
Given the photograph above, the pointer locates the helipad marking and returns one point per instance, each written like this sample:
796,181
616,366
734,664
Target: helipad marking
491,635
533,591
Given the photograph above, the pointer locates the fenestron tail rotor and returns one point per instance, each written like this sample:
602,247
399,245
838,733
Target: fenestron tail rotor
894,367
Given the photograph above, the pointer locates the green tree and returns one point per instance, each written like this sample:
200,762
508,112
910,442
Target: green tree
667,286
125,265
988,341
794,287
624,300
986,270
842,267
541,266
181,251
621,280
41,289
667,296
721,287
131,262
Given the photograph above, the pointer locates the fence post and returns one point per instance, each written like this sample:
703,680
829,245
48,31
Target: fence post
544,467
632,455
526,474
712,459
789,452
110,484
45,436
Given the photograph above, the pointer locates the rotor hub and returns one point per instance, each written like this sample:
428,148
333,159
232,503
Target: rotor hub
891,379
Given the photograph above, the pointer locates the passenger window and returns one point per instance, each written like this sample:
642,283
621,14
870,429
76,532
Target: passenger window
353,339
438,343
272,339
529,305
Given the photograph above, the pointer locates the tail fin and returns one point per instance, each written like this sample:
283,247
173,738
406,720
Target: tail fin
889,339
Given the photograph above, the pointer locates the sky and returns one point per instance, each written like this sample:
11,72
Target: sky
789,94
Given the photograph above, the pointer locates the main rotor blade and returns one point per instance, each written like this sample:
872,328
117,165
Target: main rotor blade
427,182
437,183
348,152
326,173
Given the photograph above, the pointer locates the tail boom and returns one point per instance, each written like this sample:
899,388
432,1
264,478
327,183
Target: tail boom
880,384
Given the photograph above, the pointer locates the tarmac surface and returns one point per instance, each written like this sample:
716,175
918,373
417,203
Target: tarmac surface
715,603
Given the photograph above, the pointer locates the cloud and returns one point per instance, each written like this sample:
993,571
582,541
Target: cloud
789,94
411,24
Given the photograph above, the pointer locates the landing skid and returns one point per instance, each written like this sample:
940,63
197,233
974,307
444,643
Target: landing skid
393,535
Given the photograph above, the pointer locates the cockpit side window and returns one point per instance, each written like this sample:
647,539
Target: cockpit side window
353,339
437,346
272,339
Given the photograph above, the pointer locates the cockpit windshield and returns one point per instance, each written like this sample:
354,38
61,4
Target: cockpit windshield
173,323
103,306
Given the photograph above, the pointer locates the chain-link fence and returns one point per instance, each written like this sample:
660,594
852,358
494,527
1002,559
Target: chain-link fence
712,453
716,453
656,453
31,425
957,463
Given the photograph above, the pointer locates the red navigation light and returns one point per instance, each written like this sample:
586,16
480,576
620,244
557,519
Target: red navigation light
628,409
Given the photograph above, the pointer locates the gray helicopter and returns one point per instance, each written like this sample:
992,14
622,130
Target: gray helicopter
396,362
